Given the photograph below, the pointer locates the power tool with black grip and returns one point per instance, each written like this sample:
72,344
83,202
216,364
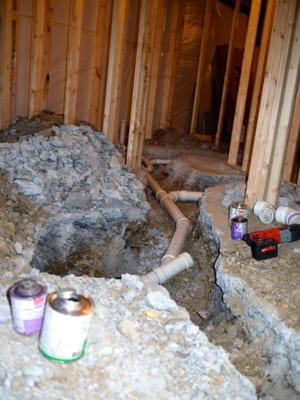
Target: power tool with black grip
264,244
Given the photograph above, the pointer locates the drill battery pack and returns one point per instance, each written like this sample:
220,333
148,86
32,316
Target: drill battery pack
262,249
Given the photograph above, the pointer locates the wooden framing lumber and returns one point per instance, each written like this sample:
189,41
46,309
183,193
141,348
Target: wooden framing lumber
141,84
37,79
111,120
236,13
201,64
15,47
73,61
156,44
258,82
6,62
293,139
285,116
100,62
172,55
272,95
244,83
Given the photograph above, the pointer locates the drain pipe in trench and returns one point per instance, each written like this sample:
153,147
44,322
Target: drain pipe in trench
172,262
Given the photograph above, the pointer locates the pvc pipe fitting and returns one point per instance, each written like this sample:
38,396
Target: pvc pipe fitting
287,215
264,211
167,271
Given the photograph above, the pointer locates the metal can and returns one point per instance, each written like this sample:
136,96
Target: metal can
239,228
27,300
65,327
238,209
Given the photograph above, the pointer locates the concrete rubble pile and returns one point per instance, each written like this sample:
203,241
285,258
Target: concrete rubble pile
77,178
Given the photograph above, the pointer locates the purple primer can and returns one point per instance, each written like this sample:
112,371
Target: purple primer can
27,298
239,227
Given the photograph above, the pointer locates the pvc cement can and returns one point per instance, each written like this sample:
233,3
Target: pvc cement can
27,299
238,209
239,228
65,328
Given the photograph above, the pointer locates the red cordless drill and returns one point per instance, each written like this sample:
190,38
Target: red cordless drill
264,244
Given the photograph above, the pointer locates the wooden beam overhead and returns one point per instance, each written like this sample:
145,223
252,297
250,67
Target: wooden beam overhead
201,63
6,37
74,41
175,27
100,62
111,120
274,95
244,83
227,73
37,78
258,82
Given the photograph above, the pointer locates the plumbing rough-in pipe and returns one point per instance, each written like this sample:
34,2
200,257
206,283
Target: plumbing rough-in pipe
172,263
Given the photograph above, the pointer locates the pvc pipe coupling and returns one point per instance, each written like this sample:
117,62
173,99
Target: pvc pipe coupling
167,271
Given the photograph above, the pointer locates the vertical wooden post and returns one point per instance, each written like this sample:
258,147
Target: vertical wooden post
227,73
37,80
293,139
258,82
158,31
100,62
201,63
285,116
173,49
111,120
244,82
15,48
6,62
271,98
73,61
139,103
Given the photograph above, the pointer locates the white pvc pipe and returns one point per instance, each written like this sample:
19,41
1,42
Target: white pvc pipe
157,161
185,195
163,273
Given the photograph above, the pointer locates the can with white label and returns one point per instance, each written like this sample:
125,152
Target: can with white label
65,327
27,300
238,209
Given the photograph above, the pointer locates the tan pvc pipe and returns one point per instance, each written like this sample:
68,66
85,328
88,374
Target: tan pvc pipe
183,225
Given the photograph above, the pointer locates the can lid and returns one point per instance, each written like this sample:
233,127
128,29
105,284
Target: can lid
68,301
27,288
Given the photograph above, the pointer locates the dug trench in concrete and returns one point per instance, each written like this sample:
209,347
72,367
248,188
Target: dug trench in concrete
195,289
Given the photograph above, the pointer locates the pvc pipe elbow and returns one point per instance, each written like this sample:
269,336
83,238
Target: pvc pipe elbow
173,268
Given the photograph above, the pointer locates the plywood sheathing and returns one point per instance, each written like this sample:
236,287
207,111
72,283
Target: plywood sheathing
143,92
6,62
227,73
293,139
201,63
258,82
244,83
74,41
274,105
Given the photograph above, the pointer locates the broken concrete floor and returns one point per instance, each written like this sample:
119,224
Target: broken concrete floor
137,251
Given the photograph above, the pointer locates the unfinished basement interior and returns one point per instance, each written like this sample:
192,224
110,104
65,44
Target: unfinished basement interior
150,199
